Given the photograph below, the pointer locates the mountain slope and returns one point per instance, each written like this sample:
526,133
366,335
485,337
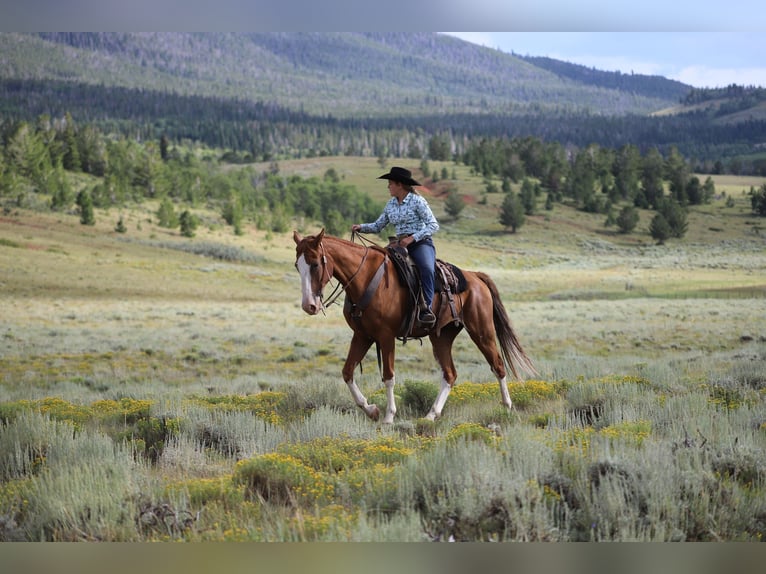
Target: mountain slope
343,74
650,86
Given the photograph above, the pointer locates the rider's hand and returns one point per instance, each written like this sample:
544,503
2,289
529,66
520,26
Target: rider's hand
356,227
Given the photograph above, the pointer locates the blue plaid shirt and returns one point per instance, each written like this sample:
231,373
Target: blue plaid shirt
412,217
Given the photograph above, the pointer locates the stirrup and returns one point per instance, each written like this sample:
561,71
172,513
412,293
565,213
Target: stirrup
427,318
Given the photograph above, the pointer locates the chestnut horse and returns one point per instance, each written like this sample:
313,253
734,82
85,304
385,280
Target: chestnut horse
375,308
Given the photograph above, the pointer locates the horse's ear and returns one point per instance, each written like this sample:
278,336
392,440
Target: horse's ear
296,237
320,235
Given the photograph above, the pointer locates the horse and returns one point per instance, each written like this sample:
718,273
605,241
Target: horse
376,304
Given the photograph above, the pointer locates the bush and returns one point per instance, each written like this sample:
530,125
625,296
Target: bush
675,216
660,229
627,219
758,200
189,224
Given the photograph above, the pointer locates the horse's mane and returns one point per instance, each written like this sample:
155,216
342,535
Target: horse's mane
366,245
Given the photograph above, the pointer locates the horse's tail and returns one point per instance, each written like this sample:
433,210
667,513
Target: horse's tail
513,352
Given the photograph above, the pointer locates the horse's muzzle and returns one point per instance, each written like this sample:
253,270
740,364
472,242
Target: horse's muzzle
312,305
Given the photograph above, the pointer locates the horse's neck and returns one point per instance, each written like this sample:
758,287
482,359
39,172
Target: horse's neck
353,261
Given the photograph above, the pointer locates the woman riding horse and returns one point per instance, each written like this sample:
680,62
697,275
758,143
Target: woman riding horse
415,224
374,308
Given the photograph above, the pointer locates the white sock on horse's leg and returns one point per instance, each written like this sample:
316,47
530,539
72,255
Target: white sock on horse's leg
441,398
505,395
370,410
391,408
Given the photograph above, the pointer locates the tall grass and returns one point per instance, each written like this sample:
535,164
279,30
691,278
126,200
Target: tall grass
149,394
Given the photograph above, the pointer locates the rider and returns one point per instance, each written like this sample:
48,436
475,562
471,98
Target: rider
415,224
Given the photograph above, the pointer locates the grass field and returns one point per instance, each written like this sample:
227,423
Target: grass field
150,392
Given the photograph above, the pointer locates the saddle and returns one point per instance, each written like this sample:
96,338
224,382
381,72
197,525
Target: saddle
448,281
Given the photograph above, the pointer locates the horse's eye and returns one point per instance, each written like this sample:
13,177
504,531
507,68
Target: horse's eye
314,265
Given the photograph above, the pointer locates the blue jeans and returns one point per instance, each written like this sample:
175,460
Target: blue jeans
423,253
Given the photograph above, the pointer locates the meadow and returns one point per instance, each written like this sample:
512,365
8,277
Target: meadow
158,388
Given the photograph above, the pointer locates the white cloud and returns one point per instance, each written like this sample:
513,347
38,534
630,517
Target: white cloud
705,77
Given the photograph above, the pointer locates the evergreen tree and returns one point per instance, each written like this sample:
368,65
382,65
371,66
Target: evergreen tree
581,184
660,229
424,167
166,215
675,216
61,193
528,199
758,200
677,173
188,223
439,148
233,213
27,156
708,190
694,193
626,172
512,212
164,148
120,227
85,203
71,158
651,180
454,204
627,219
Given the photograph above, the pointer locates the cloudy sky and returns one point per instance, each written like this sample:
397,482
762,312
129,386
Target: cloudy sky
701,59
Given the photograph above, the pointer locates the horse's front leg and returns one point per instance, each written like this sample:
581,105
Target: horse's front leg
387,354
360,344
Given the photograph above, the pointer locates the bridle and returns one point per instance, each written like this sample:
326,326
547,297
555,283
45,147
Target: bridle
339,288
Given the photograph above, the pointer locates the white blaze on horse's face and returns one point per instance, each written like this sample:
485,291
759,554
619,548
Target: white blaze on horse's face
310,301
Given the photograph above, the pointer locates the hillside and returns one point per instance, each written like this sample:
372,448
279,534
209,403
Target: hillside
291,95
732,105
651,86
342,74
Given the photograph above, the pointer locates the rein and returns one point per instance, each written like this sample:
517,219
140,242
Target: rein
340,287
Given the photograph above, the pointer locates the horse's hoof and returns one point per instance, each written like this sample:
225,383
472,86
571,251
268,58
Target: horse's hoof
374,413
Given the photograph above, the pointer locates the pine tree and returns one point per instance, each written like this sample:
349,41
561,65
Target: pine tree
454,204
512,212
166,215
61,195
528,199
659,229
189,223
675,216
758,200
164,147
85,203
627,219
71,159
549,202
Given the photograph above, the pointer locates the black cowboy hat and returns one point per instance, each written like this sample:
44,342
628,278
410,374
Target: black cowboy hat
400,174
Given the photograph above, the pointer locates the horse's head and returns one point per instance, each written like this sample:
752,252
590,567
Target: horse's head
316,269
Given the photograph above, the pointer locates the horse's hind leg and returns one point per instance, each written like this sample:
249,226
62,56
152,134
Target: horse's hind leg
486,340
442,349
356,352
